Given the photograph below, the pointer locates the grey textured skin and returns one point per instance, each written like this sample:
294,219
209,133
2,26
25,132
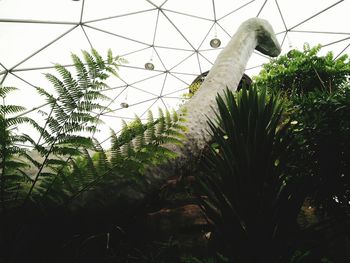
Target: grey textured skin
255,33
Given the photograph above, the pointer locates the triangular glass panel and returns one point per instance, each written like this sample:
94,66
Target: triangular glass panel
186,79
104,40
193,29
172,57
298,39
174,83
158,104
25,96
334,17
215,32
140,58
205,63
114,94
132,96
275,20
197,8
307,10
132,75
154,85
190,65
338,49
232,20
24,40
36,78
54,10
138,108
210,55
139,26
255,61
224,8
168,35
103,9
173,103
61,50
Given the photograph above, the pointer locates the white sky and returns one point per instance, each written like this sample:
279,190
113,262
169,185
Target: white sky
52,29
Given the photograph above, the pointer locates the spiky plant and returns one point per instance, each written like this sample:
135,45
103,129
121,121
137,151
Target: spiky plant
246,190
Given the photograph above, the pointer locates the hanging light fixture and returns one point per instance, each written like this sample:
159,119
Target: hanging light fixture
215,42
125,104
149,65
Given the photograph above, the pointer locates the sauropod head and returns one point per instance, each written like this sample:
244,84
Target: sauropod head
267,41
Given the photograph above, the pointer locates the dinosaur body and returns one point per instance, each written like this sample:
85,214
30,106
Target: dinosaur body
227,71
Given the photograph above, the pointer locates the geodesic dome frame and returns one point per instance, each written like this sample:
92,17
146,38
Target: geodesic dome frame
174,36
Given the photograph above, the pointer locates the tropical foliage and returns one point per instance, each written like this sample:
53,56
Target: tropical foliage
293,155
13,175
318,102
303,71
98,172
273,183
66,168
251,197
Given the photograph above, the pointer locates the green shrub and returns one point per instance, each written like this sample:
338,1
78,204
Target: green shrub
249,192
304,71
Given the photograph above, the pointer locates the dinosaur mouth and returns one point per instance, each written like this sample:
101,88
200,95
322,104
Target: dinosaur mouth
273,50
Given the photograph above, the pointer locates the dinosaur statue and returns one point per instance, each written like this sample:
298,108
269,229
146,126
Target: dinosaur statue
227,71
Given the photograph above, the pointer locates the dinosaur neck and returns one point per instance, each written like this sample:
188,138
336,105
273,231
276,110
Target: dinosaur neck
231,62
226,72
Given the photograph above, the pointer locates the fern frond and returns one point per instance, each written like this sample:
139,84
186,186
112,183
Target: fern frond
168,119
150,131
5,90
10,109
161,126
72,110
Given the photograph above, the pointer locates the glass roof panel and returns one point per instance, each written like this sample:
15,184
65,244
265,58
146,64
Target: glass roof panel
60,51
193,29
19,41
305,9
277,20
224,8
331,20
131,26
103,9
104,40
174,39
53,10
173,35
197,8
231,21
